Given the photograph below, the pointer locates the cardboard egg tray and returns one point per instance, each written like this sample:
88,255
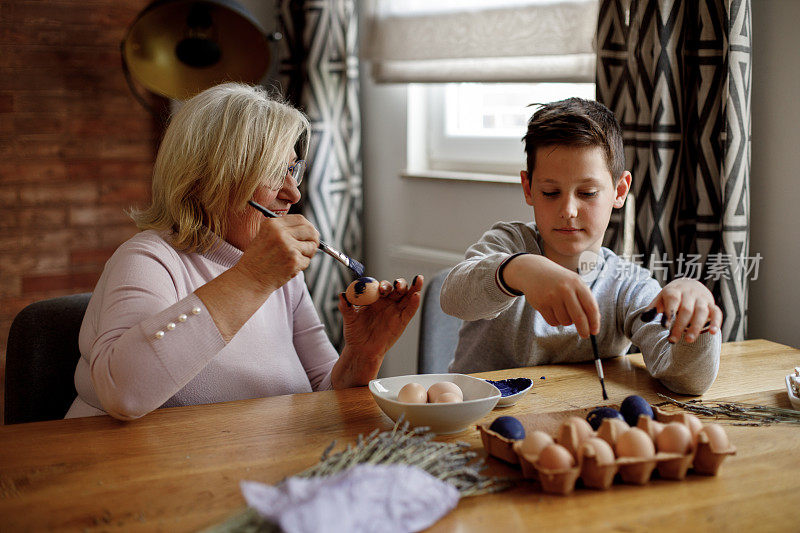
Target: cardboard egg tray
702,458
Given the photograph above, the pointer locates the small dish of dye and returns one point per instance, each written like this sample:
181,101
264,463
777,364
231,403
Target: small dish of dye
511,390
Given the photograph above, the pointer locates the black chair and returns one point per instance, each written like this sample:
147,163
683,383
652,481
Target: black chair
438,332
41,358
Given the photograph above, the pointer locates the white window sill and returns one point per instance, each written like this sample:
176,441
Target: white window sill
460,176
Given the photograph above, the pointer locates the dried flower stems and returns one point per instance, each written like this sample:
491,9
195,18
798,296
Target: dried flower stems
746,414
448,462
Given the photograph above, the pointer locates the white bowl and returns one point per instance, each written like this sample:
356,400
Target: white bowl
793,398
479,398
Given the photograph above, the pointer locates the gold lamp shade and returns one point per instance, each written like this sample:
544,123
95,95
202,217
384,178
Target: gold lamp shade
177,48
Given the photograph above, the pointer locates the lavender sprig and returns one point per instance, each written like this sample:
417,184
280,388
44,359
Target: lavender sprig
743,414
452,463
448,462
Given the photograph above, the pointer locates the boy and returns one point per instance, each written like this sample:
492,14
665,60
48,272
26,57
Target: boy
519,293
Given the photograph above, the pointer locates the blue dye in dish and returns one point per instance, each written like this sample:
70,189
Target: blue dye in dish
511,386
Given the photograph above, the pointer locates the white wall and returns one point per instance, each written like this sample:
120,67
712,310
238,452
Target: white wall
448,216
775,172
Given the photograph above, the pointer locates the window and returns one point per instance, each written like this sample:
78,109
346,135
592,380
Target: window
471,67
476,127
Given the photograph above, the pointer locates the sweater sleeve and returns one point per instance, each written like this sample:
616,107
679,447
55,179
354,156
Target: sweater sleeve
471,290
685,368
311,342
142,340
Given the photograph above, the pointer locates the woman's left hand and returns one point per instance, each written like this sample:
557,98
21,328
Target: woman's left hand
369,331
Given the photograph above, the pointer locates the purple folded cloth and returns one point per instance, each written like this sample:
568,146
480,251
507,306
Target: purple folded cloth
365,498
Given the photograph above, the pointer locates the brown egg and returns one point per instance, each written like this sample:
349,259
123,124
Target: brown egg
610,430
448,397
582,430
555,457
650,426
674,438
596,447
535,442
363,291
635,443
692,422
443,386
717,438
412,393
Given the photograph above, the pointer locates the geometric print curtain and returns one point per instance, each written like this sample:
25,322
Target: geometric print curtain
319,74
677,75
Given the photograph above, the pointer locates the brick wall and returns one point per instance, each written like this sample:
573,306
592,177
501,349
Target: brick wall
75,147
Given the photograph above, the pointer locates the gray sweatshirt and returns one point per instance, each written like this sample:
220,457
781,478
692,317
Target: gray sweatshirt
503,331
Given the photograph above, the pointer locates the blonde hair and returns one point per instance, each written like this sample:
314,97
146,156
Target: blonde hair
220,146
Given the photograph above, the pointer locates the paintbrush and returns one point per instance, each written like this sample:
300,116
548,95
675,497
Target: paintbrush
597,363
350,263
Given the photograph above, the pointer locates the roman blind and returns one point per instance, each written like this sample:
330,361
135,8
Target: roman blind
481,40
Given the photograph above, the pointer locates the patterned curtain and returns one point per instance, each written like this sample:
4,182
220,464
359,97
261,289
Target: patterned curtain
677,74
319,74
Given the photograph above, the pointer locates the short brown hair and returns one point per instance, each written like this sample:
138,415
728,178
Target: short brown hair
576,122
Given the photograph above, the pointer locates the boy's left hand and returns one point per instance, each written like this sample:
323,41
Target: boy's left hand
687,305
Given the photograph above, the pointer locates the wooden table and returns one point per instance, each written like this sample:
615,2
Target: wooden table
178,469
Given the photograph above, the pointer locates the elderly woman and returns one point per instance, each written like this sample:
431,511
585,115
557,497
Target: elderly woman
208,303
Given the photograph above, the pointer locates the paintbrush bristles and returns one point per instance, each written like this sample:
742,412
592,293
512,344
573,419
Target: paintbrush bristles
356,267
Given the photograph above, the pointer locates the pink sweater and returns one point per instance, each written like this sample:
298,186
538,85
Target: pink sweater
147,341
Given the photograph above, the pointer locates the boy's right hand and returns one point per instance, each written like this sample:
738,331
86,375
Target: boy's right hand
559,294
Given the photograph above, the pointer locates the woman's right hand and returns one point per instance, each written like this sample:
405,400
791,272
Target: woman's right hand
282,248
279,251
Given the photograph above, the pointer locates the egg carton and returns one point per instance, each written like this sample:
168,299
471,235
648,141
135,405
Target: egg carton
702,457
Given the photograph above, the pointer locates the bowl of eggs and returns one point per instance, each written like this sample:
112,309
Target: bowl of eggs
446,403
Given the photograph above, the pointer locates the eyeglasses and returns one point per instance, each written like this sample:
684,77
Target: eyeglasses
296,170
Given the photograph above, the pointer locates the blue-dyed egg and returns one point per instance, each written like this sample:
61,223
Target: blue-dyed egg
632,407
509,427
596,416
363,291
